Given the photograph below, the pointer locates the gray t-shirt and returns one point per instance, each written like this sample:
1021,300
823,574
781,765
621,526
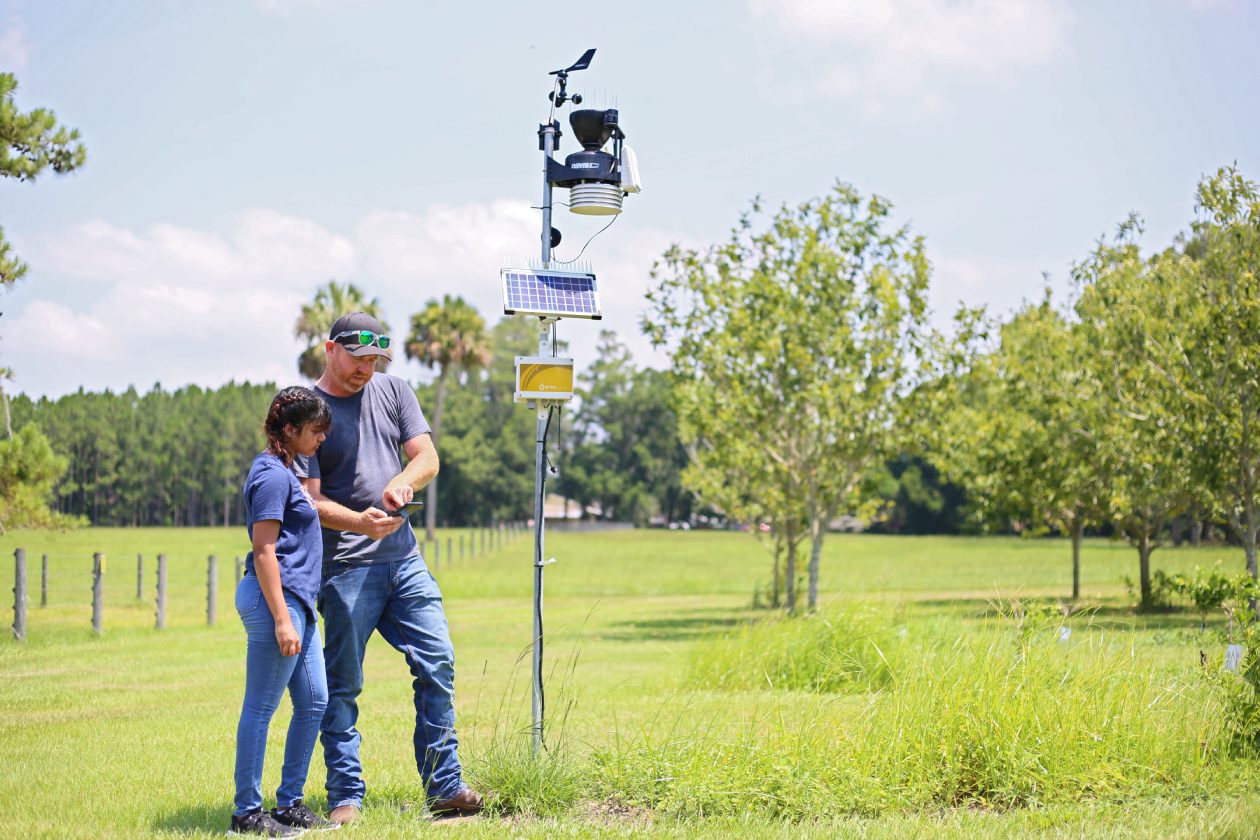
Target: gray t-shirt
359,457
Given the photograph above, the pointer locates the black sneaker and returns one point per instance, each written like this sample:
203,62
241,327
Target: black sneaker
261,823
298,815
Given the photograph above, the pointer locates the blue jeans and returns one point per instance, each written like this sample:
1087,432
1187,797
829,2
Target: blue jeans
267,674
401,601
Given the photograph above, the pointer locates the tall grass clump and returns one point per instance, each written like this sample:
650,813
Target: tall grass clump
1000,717
841,650
1005,721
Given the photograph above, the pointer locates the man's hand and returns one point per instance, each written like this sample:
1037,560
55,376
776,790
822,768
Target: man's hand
397,495
378,524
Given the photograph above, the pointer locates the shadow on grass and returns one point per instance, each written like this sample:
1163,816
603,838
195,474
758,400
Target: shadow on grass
213,818
692,624
975,607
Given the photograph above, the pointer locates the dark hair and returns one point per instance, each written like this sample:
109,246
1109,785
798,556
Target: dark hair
294,406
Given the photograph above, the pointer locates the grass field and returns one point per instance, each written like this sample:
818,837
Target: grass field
132,734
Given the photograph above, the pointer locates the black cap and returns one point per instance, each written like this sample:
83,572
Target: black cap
354,322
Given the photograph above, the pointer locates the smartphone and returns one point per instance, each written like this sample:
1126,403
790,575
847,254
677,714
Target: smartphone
408,509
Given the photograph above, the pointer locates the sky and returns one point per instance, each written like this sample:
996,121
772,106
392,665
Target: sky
241,153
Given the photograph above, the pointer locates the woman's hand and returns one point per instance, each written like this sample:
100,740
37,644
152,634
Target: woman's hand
290,642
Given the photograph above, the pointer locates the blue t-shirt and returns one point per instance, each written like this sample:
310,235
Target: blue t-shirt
272,491
357,459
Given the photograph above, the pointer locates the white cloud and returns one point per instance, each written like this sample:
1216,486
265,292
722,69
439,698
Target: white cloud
15,49
170,304
114,307
900,47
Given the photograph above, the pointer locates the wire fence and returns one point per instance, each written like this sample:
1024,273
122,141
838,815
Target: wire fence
117,590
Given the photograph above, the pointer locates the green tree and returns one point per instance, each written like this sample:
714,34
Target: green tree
1215,359
1150,475
449,336
28,471
1022,432
623,448
331,301
792,347
30,143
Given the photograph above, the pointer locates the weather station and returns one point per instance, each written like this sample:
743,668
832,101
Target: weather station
549,290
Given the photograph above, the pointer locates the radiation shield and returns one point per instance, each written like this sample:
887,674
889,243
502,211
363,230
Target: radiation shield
548,378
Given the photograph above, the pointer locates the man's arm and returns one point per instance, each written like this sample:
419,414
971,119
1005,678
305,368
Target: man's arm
373,522
422,467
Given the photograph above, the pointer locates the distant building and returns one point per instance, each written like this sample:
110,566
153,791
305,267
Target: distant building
556,506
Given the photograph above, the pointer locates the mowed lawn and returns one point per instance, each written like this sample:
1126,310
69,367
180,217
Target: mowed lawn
132,734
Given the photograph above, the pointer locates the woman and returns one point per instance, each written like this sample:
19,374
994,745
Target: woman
276,601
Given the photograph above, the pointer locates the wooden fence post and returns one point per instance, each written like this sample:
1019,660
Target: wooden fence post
19,594
212,589
240,571
437,553
43,582
98,591
139,577
161,592
450,554
461,546
483,540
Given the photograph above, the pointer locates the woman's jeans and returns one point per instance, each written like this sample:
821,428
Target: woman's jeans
267,674
402,602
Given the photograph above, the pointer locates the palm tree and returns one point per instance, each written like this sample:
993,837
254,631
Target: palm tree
450,335
316,319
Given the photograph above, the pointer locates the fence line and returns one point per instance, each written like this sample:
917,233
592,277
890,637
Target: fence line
98,592
212,589
19,594
495,535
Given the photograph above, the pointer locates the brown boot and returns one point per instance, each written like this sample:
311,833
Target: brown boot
463,804
343,815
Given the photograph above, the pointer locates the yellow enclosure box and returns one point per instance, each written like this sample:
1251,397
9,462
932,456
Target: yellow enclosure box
544,378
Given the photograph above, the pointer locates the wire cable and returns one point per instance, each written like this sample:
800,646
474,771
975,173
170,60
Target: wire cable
588,242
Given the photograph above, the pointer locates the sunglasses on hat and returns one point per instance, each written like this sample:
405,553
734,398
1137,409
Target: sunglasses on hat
363,338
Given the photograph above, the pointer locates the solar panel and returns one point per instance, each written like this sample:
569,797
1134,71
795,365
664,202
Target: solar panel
564,294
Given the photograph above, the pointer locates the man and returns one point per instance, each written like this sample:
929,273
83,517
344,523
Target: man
374,577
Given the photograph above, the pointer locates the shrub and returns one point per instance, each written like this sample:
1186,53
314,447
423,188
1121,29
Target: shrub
838,651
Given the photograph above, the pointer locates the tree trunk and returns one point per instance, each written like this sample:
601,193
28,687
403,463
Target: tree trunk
817,530
1144,569
790,571
776,597
430,498
1078,526
8,425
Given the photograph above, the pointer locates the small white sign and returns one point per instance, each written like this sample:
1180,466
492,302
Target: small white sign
1065,633
1233,657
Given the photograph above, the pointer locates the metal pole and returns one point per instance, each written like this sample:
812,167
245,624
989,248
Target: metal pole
161,592
548,136
19,594
98,591
43,582
212,589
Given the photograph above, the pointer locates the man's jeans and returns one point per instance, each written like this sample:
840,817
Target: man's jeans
402,602
267,674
